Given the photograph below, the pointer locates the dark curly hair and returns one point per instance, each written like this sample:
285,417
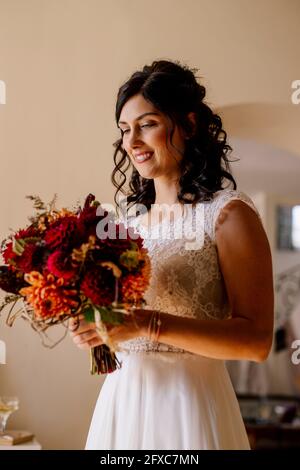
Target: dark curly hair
173,89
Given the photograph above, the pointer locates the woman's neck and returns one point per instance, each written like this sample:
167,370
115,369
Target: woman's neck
166,191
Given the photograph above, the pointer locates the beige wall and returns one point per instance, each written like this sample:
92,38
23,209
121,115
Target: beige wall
62,62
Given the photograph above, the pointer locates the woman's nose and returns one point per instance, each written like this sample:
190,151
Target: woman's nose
134,138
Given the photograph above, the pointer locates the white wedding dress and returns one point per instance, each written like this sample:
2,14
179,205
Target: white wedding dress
164,397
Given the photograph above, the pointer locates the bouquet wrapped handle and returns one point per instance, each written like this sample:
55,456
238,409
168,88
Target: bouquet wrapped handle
103,360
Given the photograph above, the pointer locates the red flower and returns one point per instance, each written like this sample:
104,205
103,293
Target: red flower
8,254
27,233
63,233
59,264
99,286
30,260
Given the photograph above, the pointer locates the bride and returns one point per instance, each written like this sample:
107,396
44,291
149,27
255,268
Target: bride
206,303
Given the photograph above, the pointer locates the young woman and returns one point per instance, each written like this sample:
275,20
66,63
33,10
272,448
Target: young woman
206,303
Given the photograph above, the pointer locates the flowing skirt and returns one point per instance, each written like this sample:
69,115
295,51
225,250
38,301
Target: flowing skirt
167,401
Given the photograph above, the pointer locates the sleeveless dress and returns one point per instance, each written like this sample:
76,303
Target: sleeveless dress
164,397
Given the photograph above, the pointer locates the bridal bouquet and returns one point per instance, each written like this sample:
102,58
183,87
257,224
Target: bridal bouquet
71,262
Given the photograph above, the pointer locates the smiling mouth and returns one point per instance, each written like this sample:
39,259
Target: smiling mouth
144,157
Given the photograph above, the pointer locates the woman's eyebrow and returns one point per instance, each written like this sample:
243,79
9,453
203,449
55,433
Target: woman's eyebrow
140,117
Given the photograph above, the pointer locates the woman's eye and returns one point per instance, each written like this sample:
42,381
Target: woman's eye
145,125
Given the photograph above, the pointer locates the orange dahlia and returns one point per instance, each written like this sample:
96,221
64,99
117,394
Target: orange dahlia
134,285
49,297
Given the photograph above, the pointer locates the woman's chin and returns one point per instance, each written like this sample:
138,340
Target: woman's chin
148,175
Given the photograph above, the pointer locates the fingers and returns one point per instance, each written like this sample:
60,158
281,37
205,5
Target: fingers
87,340
83,333
82,337
92,343
73,322
78,325
85,336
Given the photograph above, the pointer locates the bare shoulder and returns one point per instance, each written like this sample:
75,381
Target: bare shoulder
238,223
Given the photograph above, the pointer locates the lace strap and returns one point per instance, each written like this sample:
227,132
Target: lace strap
222,198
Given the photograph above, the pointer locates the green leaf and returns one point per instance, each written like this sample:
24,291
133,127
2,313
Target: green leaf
134,246
18,246
32,239
109,315
88,313
95,203
129,259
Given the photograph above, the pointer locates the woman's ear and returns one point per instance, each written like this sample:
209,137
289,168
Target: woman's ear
192,118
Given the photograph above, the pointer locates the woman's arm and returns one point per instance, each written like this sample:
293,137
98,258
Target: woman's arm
245,261
246,265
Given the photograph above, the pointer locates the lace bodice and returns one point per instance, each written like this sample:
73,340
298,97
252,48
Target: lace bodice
185,275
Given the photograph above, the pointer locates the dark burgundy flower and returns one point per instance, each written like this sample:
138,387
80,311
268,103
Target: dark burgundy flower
10,280
87,221
122,240
136,238
91,214
59,264
31,258
63,233
129,234
99,285
89,200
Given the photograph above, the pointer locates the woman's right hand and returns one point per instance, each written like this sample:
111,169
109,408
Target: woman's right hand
84,334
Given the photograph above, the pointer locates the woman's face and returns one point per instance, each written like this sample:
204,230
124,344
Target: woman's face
145,139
